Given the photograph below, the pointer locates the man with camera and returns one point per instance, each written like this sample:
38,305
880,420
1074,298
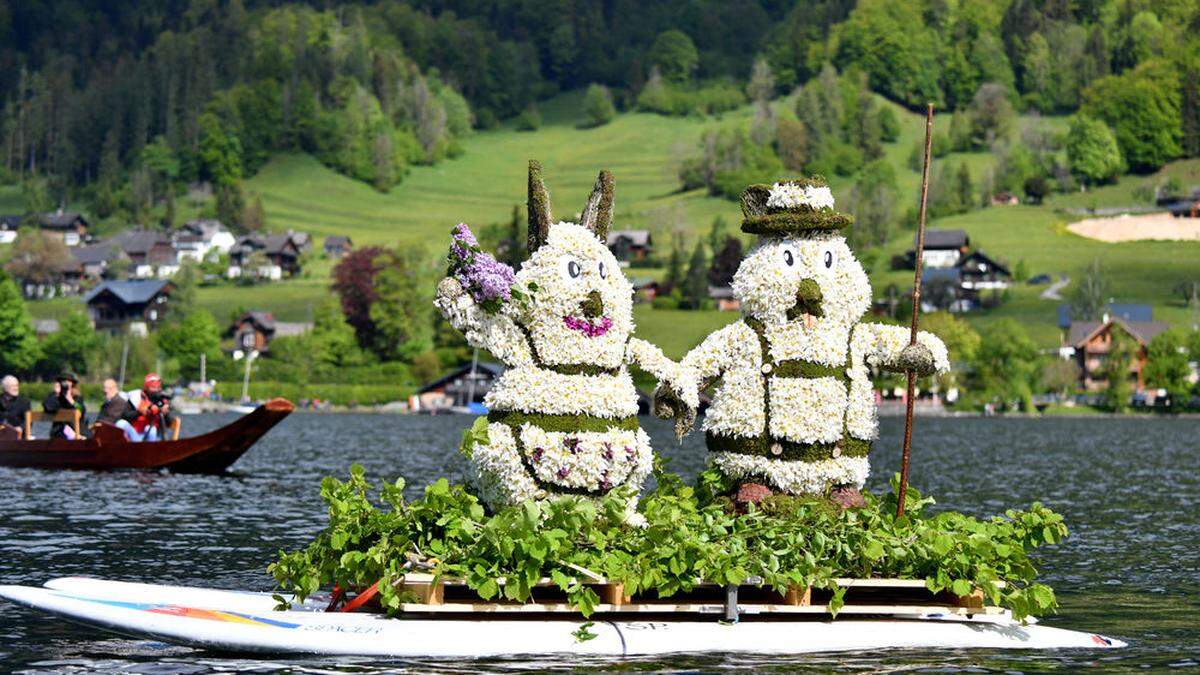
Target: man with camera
64,395
153,408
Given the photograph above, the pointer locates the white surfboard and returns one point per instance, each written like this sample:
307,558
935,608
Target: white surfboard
246,622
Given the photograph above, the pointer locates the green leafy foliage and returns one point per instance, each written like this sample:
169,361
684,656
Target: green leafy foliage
690,535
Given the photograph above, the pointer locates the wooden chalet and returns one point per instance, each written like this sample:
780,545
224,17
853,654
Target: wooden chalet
151,253
1092,340
459,388
136,305
943,248
8,228
645,290
724,298
977,272
280,251
255,330
70,227
337,245
630,246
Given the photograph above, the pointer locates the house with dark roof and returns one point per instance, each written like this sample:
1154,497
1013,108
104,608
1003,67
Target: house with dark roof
197,239
978,272
1134,312
629,246
941,290
337,245
68,226
151,253
252,331
101,260
1092,341
464,386
136,305
280,256
943,248
724,298
8,228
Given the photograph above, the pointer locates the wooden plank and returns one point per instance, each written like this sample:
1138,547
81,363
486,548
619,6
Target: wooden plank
752,581
685,608
798,596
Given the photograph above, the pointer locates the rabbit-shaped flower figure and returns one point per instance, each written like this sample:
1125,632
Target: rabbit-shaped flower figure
795,408
563,417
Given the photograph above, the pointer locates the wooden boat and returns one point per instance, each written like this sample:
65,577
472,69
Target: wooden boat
212,452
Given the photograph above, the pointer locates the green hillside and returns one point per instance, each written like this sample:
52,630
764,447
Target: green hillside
643,150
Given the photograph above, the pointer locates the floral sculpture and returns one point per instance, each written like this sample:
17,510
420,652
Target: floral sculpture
795,409
563,416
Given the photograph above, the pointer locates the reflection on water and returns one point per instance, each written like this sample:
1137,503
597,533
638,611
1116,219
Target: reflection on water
1128,488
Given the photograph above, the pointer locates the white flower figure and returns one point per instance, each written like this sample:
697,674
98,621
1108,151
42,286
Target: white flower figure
563,416
794,409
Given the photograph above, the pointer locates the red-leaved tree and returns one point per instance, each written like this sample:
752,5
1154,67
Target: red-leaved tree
354,282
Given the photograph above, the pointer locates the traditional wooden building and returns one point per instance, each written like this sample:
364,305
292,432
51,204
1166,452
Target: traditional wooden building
280,250
68,226
1092,341
8,228
978,272
337,245
460,388
724,298
136,305
943,248
630,246
151,253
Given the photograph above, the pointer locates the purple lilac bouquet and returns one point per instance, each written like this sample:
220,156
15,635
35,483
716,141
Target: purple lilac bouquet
489,281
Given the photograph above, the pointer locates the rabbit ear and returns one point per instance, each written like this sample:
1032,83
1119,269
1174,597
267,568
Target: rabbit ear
539,207
597,214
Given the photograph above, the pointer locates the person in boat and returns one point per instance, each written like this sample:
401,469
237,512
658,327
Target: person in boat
64,395
13,405
153,407
117,411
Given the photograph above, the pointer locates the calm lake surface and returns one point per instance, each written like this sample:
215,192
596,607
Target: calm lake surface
1129,488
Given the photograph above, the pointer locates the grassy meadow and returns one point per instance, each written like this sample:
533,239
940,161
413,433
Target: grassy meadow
485,182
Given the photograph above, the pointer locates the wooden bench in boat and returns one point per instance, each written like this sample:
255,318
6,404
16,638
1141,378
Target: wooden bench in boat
73,417
877,597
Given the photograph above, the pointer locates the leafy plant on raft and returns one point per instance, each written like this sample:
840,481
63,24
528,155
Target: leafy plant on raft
689,535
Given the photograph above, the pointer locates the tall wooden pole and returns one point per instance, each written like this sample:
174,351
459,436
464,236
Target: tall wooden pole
916,313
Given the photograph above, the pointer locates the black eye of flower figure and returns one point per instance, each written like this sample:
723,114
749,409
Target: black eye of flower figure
603,272
573,269
788,258
828,259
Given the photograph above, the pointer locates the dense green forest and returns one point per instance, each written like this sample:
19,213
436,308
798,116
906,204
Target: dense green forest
120,105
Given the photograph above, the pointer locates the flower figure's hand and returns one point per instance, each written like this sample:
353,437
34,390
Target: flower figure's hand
667,404
916,358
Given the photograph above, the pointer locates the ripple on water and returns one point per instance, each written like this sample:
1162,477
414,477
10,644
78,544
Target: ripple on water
1127,487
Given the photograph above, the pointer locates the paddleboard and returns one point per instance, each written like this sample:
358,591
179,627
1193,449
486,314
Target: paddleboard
236,621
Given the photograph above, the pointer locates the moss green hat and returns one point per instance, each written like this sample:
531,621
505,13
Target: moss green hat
791,207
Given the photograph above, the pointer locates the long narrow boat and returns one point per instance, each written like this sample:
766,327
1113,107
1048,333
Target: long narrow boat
242,622
212,452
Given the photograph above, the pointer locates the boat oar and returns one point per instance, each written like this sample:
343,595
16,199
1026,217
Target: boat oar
916,312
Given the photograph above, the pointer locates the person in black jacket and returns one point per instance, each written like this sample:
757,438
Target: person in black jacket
13,405
64,396
116,410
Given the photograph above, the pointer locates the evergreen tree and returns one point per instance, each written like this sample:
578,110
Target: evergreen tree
674,276
725,262
19,349
695,283
963,187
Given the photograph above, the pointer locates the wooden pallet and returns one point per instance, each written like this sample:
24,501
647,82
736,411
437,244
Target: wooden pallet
862,597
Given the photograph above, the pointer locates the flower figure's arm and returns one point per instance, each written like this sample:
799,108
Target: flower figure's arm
670,374
496,333
888,347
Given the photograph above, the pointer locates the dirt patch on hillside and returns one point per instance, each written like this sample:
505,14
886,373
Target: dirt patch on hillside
1151,226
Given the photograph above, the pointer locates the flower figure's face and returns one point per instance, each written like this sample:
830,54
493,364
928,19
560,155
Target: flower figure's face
582,310
814,278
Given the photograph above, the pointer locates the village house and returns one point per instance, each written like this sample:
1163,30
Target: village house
302,240
254,331
1089,342
337,246
196,239
459,389
281,256
69,227
977,272
136,305
1004,199
630,246
101,260
724,298
645,290
151,253
943,248
8,228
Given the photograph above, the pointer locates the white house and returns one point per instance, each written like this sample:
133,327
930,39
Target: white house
197,239
943,248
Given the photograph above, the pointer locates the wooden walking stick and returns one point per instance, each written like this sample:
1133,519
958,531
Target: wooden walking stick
916,312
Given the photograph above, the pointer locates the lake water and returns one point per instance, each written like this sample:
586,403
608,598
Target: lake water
1129,488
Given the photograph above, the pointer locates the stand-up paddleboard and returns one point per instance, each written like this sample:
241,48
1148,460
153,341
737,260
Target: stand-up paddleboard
246,622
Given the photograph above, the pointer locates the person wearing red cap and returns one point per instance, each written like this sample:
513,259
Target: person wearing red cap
153,406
